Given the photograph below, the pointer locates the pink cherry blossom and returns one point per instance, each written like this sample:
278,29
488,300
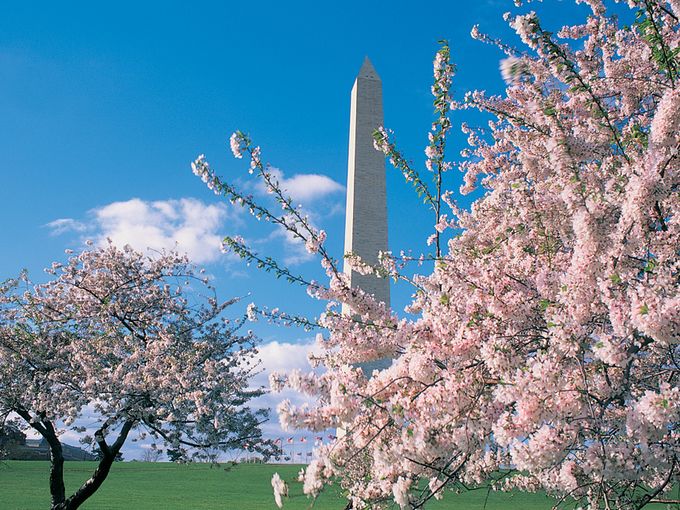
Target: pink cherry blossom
541,351
124,335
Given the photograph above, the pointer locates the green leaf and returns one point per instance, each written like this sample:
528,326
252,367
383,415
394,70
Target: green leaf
644,309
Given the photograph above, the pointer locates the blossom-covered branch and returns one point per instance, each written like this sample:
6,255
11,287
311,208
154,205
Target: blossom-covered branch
121,334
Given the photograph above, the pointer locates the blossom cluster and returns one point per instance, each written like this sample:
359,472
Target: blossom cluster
543,355
280,489
124,335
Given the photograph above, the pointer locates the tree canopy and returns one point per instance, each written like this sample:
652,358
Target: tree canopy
138,344
544,353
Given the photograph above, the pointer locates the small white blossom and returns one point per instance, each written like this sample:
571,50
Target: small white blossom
235,144
251,312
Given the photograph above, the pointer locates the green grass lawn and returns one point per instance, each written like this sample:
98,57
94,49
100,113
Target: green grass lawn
165,486
140,485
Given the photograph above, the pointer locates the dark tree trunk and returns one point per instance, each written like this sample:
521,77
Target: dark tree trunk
94,482
89,487
46,430
57,490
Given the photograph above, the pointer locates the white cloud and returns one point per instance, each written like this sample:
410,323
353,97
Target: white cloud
284,357
321,197
187,225
61,225
294,252
306,187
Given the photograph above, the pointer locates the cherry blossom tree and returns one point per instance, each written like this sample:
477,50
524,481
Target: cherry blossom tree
545,350
139,345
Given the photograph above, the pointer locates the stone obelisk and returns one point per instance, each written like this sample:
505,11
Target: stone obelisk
366,212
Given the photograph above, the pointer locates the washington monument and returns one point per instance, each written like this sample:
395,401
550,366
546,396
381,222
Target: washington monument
366,212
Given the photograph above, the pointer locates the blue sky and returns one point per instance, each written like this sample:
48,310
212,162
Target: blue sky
103,106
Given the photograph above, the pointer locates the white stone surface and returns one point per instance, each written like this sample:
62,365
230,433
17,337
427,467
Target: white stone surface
366,212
